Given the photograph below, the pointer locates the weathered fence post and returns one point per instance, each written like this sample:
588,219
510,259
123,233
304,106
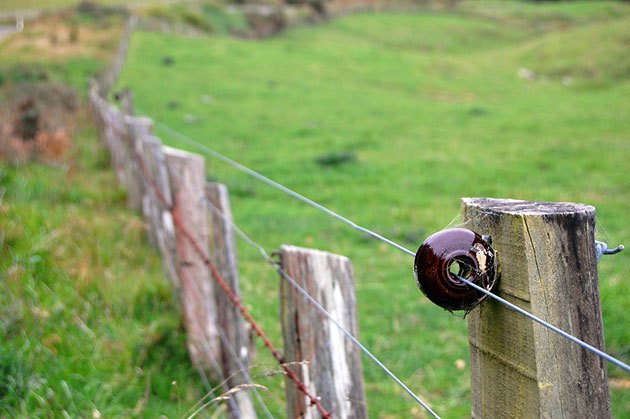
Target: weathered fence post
113,123
327,362
187,181
136,129
234,338
547,262
156,205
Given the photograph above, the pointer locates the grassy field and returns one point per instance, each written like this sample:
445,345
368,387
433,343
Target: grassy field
429,107
86,317
87,320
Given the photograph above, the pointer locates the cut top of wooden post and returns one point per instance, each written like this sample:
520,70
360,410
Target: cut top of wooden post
519,207
547,265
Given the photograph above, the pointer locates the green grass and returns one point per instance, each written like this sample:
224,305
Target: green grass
87,320
432,109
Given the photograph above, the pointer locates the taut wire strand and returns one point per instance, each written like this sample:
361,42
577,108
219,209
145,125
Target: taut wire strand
549,326
281,187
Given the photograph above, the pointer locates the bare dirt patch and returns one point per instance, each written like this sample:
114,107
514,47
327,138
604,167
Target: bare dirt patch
37,121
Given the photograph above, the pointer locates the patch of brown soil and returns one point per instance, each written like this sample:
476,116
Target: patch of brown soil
37,122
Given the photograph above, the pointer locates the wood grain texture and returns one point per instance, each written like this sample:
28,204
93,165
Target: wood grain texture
327,362
136,129
187,182
156,210
547,262
235,346
113,134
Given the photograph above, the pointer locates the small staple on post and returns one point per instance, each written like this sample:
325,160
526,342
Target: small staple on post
601,248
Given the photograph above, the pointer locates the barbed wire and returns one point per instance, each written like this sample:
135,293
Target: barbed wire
227,390
318,306
213,153
204,342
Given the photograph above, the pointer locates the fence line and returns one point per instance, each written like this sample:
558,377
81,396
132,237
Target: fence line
162,194
181,228
333,214
296,193
179,224
108,79
127,148
154,211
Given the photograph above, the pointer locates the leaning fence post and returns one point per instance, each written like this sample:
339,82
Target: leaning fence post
136,128
547,262
113,134
327,362
187,181
156,205
234,338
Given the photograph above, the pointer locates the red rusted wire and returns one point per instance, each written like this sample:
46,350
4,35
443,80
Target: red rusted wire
314,400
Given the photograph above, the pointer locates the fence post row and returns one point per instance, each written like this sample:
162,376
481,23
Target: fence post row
327,363
518,368
547,257
172,180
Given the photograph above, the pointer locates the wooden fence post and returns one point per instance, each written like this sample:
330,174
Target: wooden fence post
136,129
113,123
234,340
187,181
157,213
547,262
327,362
